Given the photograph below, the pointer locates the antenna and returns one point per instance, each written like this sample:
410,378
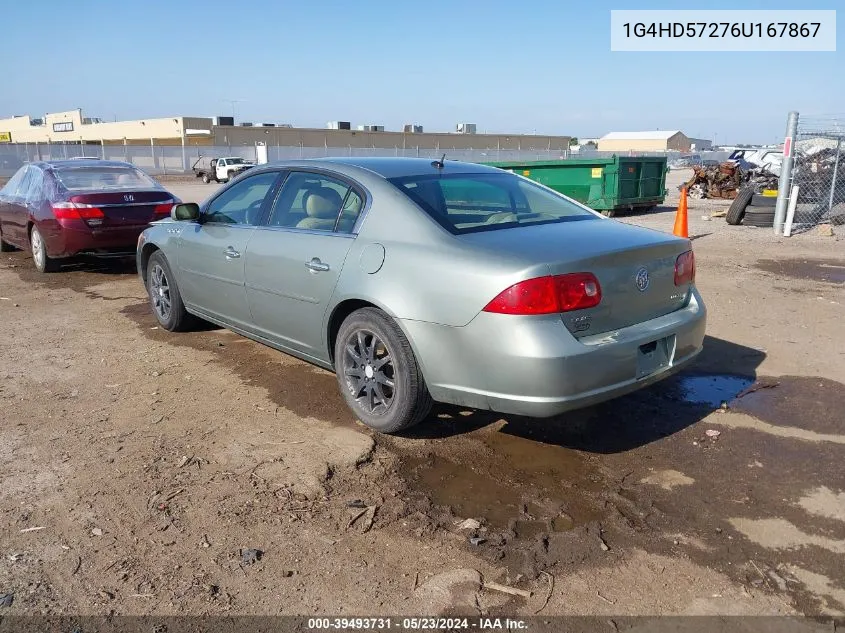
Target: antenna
439,164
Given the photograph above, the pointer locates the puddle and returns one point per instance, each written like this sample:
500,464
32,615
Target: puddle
713,390
830,271
511,483
814,404
467,493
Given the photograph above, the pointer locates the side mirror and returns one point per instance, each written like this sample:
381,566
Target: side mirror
186,211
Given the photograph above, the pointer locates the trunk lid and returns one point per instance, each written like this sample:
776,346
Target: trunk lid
123,208
635,267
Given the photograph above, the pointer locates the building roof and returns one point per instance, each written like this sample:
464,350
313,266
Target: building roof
640,136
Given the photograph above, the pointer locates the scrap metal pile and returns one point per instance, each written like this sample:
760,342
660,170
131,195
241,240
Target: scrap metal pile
726,179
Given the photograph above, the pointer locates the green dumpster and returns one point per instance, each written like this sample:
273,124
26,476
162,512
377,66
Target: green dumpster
608,185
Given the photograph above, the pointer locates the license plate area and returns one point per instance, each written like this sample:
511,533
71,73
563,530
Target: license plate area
655,356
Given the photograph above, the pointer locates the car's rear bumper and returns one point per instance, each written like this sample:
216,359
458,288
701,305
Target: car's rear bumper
67,241
533,366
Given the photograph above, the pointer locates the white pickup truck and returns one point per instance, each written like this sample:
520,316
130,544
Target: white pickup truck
220,169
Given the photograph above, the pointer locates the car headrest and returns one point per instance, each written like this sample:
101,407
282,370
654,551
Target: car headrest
323,203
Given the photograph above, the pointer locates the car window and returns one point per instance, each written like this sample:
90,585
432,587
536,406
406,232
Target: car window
241,203
14,183
464,203
221,162
34,189
316,202
104,178
23,185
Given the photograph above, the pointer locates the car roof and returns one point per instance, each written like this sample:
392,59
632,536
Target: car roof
73,162
392,167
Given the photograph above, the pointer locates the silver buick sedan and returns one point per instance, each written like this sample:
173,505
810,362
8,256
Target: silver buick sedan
418,281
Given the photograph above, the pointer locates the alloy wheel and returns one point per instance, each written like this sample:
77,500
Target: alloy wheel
38,252
369,371
160,292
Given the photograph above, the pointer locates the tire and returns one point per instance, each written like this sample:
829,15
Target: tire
361,380
759,200
161,285
758,218
738,206
206,179
43,262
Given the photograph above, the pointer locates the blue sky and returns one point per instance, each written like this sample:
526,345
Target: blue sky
543,66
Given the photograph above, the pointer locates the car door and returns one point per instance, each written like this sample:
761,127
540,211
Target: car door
294,261
220,169
16,210
211,252
7,194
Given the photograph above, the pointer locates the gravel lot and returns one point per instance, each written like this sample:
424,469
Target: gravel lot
136,466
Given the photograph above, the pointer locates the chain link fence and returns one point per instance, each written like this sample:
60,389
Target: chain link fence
176,159
819,172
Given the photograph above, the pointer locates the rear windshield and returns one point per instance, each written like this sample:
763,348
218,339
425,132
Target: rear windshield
234,161
465,203
103,178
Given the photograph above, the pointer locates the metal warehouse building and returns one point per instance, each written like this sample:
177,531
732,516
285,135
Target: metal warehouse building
72,127
652,141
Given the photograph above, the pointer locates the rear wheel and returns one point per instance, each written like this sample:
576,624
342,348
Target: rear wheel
206,179
378,373
43,262
165,298
738,206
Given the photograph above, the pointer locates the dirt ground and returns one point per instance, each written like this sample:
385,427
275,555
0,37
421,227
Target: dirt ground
138,468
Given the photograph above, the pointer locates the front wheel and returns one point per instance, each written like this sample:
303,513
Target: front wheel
165,298
378,373
43,262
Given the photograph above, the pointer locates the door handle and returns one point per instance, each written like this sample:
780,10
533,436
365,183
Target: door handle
315,265
231,253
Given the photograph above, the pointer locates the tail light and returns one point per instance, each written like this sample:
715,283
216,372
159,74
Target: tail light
685,269
162,210
73,211
547,295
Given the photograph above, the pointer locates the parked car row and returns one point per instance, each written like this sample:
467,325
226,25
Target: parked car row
413,281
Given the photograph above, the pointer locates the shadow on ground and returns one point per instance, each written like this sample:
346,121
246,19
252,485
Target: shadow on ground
626,422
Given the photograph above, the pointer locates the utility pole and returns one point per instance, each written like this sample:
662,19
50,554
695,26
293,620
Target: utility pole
785,180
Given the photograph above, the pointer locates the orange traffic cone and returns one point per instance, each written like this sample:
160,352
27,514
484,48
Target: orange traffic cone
681,228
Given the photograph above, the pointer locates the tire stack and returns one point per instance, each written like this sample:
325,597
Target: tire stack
752,209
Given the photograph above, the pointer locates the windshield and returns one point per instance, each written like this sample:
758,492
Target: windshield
234,161
465,203
104,178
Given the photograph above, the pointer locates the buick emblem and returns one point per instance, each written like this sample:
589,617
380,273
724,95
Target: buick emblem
641,279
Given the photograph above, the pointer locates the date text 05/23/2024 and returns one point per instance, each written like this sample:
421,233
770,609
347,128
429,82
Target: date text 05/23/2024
416,624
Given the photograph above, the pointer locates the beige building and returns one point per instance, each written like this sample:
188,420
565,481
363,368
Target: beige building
73,127
653,141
